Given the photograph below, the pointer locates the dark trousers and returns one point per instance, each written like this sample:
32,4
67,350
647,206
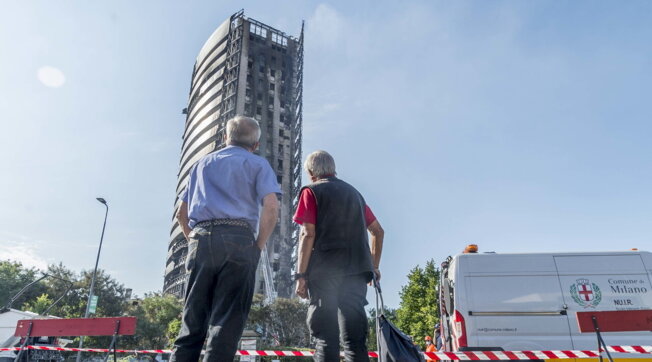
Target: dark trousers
221,264
337,312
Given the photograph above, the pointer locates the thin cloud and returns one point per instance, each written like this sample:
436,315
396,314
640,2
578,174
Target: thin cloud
26,252
320,118
325,26
51,77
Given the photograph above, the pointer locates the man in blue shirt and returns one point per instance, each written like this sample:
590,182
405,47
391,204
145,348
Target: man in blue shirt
219,212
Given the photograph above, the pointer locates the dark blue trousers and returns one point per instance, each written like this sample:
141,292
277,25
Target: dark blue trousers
221,263
337,313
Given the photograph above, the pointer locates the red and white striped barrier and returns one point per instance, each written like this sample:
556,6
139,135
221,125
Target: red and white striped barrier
457,356
630,349
509,355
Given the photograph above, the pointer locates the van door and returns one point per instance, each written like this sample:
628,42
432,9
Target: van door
517,312
604,283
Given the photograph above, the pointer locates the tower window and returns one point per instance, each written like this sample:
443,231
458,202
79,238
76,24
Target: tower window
279,39
258,30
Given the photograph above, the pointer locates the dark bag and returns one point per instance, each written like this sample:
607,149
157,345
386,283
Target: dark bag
393,345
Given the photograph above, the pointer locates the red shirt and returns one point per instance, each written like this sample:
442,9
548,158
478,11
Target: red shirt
307,210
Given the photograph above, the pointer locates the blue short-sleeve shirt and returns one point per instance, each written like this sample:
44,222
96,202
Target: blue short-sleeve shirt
229,184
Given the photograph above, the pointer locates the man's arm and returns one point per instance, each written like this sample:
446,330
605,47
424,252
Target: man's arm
267,219
377,236
182,217
306,243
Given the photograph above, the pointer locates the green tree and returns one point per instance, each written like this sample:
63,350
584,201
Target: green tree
288,322
158,315
173,331
258,315
13,277
418,311
110,293
71,305
281,323
38,305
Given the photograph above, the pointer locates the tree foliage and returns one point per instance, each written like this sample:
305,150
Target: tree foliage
173,330
158,321
111,293
281,323
38,305
158,315
418,311
72,305
288,321
13,277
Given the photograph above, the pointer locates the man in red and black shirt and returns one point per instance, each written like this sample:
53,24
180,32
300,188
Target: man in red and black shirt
335,260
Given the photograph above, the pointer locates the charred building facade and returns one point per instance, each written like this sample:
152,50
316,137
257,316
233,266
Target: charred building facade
246,68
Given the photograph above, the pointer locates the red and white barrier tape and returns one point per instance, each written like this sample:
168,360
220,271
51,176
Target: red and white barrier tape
509,355
630,349
460,356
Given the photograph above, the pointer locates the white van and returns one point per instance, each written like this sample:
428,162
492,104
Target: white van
8,320
514,302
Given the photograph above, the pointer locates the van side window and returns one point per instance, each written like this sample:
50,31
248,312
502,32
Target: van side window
449,296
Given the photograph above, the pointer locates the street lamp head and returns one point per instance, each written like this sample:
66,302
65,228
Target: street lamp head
101,200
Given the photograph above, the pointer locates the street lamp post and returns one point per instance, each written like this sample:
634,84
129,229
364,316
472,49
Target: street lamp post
97,260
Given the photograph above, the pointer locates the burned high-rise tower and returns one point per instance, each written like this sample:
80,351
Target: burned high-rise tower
246,68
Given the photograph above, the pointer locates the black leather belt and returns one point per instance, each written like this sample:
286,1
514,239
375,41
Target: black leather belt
231,222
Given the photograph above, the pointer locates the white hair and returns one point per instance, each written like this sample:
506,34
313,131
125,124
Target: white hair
243,131
319,164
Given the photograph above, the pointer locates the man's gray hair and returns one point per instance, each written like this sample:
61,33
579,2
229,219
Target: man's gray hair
320,164
242,131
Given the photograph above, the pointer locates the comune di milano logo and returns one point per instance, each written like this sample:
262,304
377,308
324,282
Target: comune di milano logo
585,293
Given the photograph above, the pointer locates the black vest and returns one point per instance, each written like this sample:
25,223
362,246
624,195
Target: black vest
341,243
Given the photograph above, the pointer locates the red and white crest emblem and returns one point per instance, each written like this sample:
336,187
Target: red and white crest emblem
585,293
585,290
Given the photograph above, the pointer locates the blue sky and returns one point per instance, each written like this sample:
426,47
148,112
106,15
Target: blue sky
519,126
